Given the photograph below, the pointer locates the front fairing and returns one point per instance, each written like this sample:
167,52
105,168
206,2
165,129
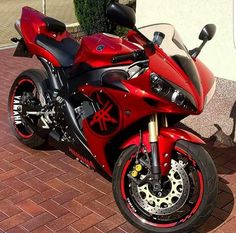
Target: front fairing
173,62
207,80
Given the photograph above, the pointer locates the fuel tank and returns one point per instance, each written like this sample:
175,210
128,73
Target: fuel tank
98,50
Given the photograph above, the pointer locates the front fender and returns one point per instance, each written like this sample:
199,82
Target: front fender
166,142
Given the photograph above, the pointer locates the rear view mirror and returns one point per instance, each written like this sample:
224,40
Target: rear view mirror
207,32
121,15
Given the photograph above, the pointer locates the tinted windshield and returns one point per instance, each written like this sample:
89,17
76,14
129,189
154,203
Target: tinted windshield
173,46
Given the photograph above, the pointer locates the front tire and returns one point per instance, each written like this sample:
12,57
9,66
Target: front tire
28,88
151,213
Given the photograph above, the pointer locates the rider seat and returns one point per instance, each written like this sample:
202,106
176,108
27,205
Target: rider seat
64,51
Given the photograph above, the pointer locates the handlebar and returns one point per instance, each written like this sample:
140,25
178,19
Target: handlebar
137,55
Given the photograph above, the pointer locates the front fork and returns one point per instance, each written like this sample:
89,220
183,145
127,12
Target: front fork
153,139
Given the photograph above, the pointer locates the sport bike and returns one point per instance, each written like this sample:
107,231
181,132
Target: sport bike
111,103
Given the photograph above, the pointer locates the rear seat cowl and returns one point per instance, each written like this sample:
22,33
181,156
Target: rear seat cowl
54,25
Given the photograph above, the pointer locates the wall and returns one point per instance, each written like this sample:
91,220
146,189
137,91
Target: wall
189,16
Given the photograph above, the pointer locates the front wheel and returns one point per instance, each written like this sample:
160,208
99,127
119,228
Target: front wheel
188,194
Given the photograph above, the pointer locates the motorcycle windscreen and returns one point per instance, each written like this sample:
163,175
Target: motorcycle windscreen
173,46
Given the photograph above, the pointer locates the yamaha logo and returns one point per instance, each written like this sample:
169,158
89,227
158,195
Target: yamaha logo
100,48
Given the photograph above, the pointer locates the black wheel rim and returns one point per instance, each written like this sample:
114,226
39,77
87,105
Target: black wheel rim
24,89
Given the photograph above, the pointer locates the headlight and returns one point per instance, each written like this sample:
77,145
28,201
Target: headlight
159,85
171,92
178,98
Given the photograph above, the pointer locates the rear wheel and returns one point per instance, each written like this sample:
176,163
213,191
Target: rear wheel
28,90
186,200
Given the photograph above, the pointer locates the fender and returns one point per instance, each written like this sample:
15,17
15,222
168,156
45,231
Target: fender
166,142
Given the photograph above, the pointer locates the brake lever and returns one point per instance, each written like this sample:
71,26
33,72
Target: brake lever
141,64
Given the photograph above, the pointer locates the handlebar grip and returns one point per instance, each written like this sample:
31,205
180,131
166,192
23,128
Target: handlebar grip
125,57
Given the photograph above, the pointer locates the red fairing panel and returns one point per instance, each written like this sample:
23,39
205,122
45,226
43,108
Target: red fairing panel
166,141
33,25
206,76
128,114
135,37
98,50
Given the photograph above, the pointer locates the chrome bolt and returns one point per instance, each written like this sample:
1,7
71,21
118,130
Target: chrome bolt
159,194
166,155
165,164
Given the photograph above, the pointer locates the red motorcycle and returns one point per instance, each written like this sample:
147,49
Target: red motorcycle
111,103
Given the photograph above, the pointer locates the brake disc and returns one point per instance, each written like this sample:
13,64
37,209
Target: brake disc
175,198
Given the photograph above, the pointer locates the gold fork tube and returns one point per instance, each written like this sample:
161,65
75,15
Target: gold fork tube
153,128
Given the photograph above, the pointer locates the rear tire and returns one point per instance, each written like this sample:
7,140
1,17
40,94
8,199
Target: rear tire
205,198
29,83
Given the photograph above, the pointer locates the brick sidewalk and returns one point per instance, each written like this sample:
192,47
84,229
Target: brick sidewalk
45,191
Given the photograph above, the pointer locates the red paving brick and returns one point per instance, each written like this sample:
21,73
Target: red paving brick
68,230
100,209
117,230
42,229
30,207
87,222
9,209
77,209
6,192
20,196
229,227
53,208
16,184
38,221
58,185
62,222
110,223
14,221
92,230
17,229
45,191
66,196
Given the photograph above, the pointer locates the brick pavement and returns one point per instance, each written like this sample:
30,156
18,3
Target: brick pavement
45,191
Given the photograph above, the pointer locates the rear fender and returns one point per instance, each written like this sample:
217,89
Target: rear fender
22,50
166,142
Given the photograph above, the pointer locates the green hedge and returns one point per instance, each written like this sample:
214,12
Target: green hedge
91,15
